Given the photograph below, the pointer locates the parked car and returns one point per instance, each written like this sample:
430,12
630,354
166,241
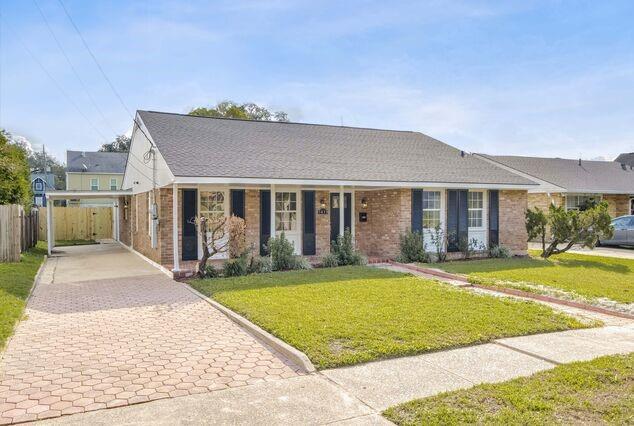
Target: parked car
623,232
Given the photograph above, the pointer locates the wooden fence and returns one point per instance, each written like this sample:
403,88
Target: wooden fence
18,231
78,223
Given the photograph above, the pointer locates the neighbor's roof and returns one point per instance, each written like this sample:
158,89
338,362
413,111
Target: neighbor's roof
591,176
96,162
216,147
626,158
47,178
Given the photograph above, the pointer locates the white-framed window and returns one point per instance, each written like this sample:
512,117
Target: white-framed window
575,202
285,211
212,204
94,184
431,209
38,185
476,209
113,184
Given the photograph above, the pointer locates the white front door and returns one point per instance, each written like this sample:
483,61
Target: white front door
287,218
214,205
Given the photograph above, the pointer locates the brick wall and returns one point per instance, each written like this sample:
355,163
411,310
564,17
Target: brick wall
141,241
618,205
322,224
389,216
513,206
125,222
543,201
252,218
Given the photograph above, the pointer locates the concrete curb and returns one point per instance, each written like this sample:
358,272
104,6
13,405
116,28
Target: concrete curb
280,346
516,292
148,260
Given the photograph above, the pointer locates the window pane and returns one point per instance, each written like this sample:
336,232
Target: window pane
475,200
292,225
431,218
335,202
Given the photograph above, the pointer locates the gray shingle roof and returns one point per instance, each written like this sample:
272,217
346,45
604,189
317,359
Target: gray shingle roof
96,162
626,158
213,147
590,176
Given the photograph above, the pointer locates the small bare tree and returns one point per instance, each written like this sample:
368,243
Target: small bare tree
220,235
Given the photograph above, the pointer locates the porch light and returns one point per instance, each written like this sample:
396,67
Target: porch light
364,203
322,203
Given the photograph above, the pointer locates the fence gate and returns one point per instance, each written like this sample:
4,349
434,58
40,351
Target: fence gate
78,223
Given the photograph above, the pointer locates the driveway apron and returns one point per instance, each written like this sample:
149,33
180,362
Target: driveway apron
105,329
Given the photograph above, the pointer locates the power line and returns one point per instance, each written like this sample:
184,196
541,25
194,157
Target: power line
103,73
50,76
72,67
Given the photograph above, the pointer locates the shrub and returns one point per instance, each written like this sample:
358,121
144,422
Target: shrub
412,246
237,239
282,253
300,262
500,251
259,265
439,241
330,261
235,267
210,272
343,249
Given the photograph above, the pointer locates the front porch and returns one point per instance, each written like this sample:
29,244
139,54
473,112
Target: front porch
312,216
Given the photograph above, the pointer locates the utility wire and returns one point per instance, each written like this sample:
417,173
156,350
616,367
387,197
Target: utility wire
55,82
103,73
72,67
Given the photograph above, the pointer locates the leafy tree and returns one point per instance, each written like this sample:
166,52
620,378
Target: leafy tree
15,186
246,111
120,144
569,227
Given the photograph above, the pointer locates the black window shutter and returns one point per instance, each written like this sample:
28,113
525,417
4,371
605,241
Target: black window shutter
452,220
265,221
494,218
237,202
463,216
308,239
417,210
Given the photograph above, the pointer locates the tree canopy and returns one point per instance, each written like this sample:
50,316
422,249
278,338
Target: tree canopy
15,182
246,111
120,144
559,229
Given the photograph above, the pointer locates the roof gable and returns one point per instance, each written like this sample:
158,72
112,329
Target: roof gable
211,147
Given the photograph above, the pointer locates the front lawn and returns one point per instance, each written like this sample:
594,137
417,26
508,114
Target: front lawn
16,280
588,276
348,315
592,392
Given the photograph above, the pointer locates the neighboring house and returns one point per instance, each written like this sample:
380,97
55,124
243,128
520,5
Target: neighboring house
311,182
41,183
572,183
94,171
626,158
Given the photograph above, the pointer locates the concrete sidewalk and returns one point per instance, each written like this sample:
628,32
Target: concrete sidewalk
356,395
607,251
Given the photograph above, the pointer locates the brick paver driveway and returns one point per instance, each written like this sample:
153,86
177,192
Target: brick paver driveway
105,329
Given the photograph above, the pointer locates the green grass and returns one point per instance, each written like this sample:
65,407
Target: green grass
62,243
16,280
593,392
588,276
348,315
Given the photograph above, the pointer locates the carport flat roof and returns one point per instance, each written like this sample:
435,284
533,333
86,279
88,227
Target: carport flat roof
60,195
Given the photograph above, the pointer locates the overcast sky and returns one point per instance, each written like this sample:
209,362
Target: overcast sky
546,78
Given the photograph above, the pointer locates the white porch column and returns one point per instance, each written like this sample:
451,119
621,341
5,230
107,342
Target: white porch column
352,214
50,232
341,211
115,218
175,228
272,211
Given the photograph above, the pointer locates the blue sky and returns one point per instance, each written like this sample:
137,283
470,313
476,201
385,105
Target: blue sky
550,78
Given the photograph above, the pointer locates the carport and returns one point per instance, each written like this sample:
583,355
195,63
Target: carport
79,195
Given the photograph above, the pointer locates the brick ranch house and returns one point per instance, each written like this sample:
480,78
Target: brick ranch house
570,183
312,182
